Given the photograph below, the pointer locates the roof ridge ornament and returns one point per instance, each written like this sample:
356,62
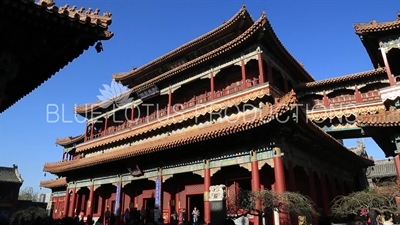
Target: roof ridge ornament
47,3
398,16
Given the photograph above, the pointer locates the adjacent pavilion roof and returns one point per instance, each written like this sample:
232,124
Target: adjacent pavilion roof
57,35
69,140
342,80
382,168
268,113
10,175
371,34
60,182
261,27
389,118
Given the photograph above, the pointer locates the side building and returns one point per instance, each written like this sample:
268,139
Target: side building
217,110
10,183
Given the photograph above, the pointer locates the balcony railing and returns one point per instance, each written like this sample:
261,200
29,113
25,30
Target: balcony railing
160,113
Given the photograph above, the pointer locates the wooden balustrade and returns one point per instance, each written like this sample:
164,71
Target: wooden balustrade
199,99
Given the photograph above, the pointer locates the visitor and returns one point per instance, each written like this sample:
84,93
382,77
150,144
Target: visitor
388,220
196,214
182,217
174,218
107,215
127,217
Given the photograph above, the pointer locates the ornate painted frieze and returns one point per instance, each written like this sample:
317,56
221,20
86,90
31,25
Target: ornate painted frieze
183,168
84,183
389,43
341,127
332,113
390,93
106,180
58,193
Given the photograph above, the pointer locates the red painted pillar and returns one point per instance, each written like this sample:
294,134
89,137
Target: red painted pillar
243,65
105,125
325,100
91,131
170,102
255,181
89,207
132,113
207,184
357,95
280,186
66,203
270,75
392,81
260,68
212,96
325,198
397,166
313,192
71,212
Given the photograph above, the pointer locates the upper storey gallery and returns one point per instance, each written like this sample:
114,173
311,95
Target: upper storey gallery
239,56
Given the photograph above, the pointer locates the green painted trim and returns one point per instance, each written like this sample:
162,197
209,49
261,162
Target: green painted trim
345,129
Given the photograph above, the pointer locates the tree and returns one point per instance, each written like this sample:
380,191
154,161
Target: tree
381,198
30,214
28,194
263,202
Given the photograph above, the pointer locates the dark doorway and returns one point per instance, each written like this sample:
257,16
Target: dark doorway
149,203
198,202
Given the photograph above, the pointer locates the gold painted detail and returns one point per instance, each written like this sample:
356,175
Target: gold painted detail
206,196
347,112
199,172
261,163
214,170
166,177
247,166
341,126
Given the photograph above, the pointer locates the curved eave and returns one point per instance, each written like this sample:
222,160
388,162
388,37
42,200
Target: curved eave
190,45
374,27
90,17
62,182
69,140
340,80
237,42
179,139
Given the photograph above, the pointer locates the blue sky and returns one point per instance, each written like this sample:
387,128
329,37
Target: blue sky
319,34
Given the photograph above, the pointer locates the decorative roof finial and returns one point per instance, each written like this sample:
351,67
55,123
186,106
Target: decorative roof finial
263,14
48,3
243,6
398,16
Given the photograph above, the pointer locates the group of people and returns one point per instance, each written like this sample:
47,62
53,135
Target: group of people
374,217
181,218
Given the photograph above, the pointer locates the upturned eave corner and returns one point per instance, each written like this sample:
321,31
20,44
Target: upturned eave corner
242,13
61,182
69,140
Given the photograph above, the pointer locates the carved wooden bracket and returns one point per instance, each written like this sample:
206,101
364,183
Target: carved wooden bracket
199,172
214,170
262,163
125,183
166,177
247,166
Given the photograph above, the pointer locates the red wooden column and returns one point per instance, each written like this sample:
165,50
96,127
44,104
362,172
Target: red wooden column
170,108
132,113
66,203
313,192
270,75
325,198
91,131
280,186
105,125
397,166
243,66
89,206
255,181
207,184
260,68
71,211
357,95
392,81
325,100
212,87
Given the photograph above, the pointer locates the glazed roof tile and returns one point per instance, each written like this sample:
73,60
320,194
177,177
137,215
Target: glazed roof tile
196,42
69,140
81,16
382,168
216,52
374,26
341,79
198,134
389,118
61,182
10,175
